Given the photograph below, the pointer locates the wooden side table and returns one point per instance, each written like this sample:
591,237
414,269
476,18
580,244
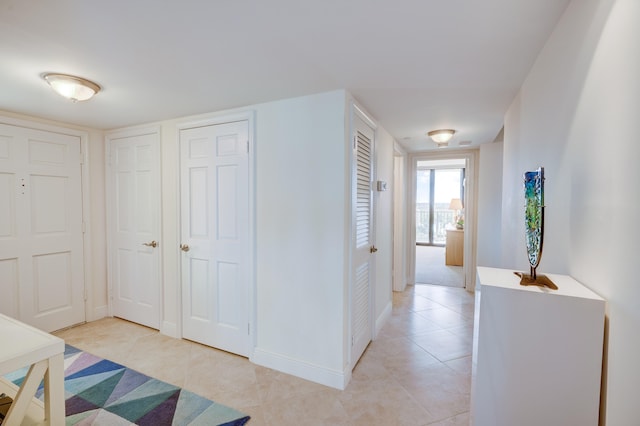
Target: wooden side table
454,249
22,346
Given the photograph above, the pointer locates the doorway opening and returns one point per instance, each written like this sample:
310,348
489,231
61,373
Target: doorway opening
439,222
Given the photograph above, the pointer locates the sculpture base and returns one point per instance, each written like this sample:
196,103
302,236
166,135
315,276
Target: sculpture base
539,280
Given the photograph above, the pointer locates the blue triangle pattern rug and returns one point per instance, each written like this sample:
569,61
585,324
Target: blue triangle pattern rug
101,392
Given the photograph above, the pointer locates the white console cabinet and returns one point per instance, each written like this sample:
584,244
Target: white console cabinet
537,356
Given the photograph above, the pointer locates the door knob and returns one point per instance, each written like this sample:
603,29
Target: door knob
153,244
373,249
184,247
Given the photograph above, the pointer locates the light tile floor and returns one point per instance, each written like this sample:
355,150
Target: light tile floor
417,371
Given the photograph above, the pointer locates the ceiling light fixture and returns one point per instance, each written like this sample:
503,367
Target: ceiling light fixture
441,137
72,87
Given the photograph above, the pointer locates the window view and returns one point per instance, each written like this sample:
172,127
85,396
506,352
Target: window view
435,188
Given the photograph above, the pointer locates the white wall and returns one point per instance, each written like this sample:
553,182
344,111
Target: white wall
577,115
489,204
383,202
302,224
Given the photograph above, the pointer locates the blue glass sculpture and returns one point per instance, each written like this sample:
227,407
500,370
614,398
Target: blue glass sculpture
534,227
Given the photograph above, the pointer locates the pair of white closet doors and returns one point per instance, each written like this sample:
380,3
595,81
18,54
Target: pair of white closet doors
214,231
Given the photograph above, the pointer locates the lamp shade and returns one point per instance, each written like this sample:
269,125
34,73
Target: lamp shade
455,204
72,87
441,136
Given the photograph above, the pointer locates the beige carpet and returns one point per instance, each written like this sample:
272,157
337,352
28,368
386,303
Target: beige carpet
431,268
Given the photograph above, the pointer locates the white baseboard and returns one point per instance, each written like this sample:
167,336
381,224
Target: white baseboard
305,370
383,318
169,329
99,312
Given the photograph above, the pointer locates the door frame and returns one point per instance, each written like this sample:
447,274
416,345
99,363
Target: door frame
110,220
91,312
471,159
212,120
399,222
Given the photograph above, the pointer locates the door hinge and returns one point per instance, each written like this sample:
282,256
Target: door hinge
355,142
86,296
353,340
84,227
247,147
248,328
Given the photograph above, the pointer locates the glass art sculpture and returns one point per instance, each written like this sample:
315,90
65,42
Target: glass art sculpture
534,224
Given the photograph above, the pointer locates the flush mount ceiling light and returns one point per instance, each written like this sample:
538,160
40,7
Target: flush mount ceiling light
72,87
441,137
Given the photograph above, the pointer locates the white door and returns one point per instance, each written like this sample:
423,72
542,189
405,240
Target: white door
362,238
215,235
41,241
133,175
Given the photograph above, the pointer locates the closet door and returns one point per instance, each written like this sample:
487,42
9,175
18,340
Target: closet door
41,241
362,238
214,167
133,177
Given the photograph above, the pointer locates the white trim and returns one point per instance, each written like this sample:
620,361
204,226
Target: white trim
399,277
170,329
362,114
215,119
398,149
305,370
100,312
471,174
90,312
110,220
177,326
384,317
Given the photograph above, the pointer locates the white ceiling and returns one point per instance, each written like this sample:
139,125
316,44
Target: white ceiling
415,65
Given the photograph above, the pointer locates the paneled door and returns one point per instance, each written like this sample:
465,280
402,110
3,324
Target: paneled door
41,241
133,175
362,237
215,235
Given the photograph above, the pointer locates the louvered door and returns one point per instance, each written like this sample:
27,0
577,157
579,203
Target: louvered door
361,324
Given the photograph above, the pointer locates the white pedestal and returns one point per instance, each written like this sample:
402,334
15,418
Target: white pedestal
537,355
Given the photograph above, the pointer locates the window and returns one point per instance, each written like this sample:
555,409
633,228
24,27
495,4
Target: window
435,187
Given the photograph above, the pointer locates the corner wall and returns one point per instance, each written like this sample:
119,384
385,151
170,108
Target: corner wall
489,204
577,115
383,202
301,229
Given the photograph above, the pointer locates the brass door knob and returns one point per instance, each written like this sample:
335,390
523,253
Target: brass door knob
184,247
373,249
153,244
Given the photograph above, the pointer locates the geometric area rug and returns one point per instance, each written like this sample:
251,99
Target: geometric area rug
101,392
